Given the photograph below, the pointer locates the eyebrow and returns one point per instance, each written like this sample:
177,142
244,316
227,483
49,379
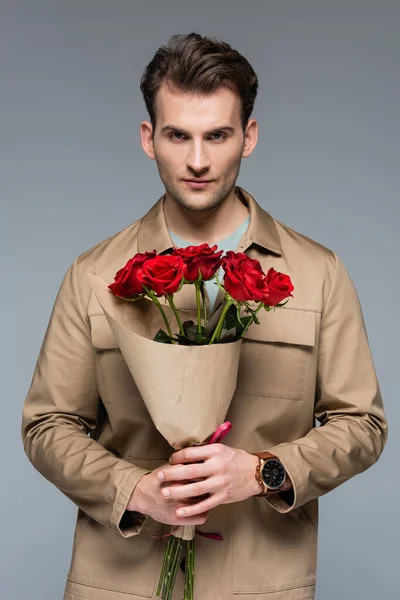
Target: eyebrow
173,128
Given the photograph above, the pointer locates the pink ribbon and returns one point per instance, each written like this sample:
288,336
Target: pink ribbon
221,432
216,437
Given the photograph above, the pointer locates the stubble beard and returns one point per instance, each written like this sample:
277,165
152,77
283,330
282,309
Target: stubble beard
187,200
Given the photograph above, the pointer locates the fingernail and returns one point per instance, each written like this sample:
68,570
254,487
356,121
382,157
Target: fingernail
166,492
160,476
180,512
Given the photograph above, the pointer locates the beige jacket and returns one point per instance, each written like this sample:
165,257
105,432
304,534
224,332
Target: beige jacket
307,391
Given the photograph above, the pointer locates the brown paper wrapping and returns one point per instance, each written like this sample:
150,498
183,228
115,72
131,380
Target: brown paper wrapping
186,389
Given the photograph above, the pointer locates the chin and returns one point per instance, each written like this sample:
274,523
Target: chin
198,200
201,205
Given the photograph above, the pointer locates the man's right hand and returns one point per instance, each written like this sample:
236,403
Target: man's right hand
148,499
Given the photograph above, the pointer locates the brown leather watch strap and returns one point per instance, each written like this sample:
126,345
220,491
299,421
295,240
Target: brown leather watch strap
265,454
262,456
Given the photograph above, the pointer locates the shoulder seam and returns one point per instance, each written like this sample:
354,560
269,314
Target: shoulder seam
108,239
303,235
333,282
74,269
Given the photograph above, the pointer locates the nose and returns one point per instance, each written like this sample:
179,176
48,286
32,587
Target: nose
198,160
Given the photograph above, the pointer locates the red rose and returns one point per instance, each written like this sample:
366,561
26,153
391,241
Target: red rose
244,278
280,286
128,281
200,260
163,274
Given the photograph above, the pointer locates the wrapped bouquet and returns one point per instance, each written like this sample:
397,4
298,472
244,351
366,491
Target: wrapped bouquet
186,371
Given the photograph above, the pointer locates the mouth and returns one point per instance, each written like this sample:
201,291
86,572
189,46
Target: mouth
197,183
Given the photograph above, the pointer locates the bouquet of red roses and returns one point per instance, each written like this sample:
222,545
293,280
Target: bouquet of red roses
186,370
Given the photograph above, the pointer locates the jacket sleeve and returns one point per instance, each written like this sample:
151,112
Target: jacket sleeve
348,405
61,409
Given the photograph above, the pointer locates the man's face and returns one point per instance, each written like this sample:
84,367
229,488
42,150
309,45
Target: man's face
197,138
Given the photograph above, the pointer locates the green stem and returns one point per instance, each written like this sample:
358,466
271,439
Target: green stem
218,329
168,555
164,565
188,572
252,320
203,295
172,305
219,284
192,570
198,284
174,569
168,571
160,308
186,588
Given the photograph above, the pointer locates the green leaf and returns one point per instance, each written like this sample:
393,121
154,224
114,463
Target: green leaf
183,340
231,319
231,335
198,340
191,331
246,321
163,337
201,338
282,303
239,318
187,327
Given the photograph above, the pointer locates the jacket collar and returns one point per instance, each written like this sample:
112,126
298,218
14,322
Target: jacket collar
153,232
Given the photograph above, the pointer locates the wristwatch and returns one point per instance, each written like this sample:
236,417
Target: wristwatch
270,473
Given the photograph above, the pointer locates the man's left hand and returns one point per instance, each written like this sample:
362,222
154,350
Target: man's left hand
224,475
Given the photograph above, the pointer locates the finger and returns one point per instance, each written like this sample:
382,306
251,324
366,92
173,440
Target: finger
181,472
191,500
196,499
180,492
193,520
174,484
196,453
199,507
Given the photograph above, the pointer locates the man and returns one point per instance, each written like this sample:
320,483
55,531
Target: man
305,362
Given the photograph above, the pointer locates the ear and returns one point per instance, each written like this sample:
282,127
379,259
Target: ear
250,137
146,135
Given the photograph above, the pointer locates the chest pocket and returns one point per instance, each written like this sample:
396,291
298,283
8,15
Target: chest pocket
274,360
115,383
276,354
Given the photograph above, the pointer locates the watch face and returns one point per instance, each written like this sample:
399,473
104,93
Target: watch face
273,473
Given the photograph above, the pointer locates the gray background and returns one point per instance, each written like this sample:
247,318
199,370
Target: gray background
73,173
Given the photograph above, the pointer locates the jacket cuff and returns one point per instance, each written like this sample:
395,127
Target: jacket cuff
128,522
288,500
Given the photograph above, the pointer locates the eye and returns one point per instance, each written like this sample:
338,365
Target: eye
217,136
175,133
221,133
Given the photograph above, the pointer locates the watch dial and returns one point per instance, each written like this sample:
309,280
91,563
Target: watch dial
273,473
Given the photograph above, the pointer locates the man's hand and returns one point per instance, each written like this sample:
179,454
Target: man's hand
148,499
225,475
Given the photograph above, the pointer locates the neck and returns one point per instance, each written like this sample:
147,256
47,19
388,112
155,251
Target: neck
205,226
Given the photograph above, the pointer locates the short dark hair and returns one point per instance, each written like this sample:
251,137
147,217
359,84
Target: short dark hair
198,64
